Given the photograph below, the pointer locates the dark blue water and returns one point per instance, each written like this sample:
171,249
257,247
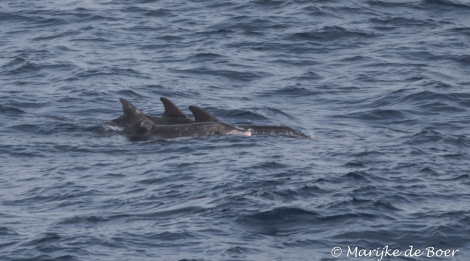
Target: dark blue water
382,86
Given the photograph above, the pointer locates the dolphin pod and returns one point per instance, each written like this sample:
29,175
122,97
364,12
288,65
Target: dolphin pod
175,123
139,126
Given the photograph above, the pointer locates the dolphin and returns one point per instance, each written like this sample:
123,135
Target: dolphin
171,115
201,115
140,127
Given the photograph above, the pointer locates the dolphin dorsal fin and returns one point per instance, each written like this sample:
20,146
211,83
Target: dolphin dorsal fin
135,116
171,110
201,115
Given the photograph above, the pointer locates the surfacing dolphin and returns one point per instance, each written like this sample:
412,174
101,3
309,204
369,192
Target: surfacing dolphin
171,115
140,127
201,115
174,115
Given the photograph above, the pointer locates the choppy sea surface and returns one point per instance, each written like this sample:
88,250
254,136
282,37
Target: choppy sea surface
383,88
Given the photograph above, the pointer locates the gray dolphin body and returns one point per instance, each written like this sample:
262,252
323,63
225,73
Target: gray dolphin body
201,115
171,115
140,127
275,130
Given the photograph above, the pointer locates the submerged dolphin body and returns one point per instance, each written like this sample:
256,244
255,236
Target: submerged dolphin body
171,115
201,115
140,127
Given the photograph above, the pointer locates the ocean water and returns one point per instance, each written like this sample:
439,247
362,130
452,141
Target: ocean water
383,88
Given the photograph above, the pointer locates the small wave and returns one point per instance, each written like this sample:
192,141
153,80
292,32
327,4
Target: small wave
90,39
384,206
269,165
429,171
294,91
162,12
279,220
248,116
36,18
462,141
433,136
25,67
357,175
51,246
430,96
242,250
383,115
12,17
331,33
465,178
446,4
9,232
368,237
48,127
355,164
56,36
403,107
208,55
427,135
81,220
398,22
270,3
10,110
247,25
346,217
460,31
128,93
173,236
22,65
388,4
44,239
230,74
463,59
107,71
25,127
368,153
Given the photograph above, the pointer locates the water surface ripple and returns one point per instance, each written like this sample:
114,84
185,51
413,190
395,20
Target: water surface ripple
381,85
